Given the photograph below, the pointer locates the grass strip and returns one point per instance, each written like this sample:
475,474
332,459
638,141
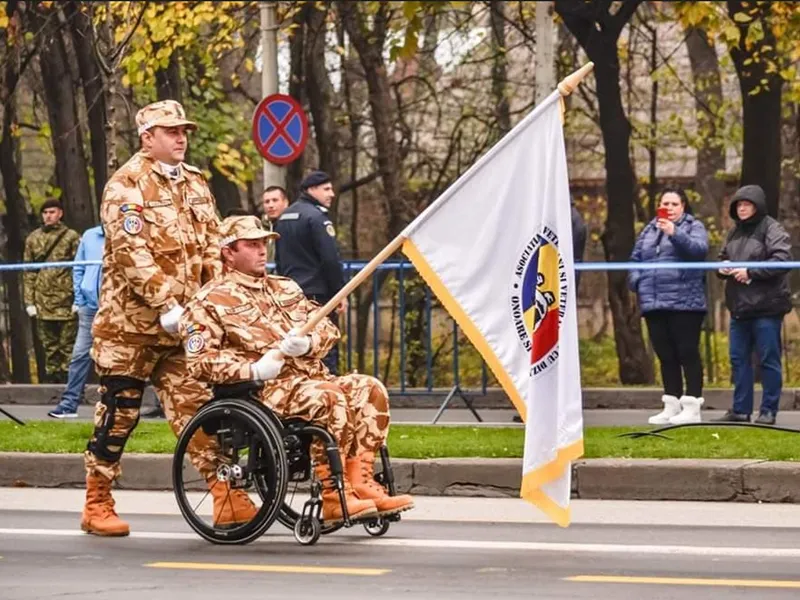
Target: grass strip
411,441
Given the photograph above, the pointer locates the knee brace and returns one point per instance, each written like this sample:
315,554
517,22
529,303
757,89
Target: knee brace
110,436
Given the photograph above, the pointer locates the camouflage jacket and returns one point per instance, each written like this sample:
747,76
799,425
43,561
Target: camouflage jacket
236,319
162,245
50,290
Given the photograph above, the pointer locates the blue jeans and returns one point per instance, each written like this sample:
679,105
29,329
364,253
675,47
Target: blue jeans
81,362
765,335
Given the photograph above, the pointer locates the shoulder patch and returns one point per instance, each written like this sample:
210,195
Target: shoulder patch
132,224
329,228
289,217
195,343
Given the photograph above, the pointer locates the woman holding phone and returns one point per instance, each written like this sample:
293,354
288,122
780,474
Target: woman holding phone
673,302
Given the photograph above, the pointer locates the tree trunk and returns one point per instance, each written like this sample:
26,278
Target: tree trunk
708,100
321,97
168,81
597,32
16,219
94,95
369,45
761,103
789,214
59,92
499,68
297,76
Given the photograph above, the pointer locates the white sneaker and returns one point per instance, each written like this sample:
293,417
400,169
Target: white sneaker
672,407
690,413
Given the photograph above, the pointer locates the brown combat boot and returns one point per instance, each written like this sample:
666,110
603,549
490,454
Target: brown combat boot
361,473
99,517
231,507
332,507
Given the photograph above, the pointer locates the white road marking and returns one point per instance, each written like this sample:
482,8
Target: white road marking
484,545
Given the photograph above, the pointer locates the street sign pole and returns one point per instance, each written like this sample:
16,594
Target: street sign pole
273,174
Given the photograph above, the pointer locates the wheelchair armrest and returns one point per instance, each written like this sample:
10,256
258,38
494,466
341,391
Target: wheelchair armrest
240,389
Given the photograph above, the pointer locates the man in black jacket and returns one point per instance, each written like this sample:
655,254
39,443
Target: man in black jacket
306,251
757,299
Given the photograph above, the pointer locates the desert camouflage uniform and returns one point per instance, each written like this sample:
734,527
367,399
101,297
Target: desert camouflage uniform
236,319
50,291
161,246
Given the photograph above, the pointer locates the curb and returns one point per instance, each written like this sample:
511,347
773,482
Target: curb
593,398
600,479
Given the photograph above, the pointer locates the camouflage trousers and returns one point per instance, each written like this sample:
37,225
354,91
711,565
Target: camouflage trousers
354,409
180,395
57,338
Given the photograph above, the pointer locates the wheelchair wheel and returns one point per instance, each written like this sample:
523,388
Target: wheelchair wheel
377,527
247,447
307,531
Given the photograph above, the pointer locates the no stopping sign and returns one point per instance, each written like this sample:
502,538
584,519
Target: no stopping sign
280,129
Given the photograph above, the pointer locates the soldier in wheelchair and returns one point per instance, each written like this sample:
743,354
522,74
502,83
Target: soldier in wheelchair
242,327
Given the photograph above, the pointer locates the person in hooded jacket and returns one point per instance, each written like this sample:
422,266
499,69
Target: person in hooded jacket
673,302
757,299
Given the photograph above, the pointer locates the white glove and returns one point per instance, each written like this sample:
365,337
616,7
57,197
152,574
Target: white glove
267,367
31,310
293,345
169,320
75,308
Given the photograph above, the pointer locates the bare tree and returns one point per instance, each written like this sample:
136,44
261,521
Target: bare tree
597,26
708,101
756,60
62,107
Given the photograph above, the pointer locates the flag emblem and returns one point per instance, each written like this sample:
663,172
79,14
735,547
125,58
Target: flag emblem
539,299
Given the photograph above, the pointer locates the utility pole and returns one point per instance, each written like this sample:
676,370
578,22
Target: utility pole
545,43
273,174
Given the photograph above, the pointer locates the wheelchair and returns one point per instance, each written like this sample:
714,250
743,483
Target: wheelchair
267,458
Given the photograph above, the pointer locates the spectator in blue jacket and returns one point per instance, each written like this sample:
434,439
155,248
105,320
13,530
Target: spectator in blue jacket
673,302
86,289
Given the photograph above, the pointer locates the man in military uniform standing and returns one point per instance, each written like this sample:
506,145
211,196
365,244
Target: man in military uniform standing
232,329
306,250
161,246
48,292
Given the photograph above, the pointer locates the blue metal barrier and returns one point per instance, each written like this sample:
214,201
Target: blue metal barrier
450,379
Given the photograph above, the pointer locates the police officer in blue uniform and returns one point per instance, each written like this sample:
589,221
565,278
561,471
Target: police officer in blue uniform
306,251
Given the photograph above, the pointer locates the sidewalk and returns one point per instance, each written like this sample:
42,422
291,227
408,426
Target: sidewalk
631,397
450,417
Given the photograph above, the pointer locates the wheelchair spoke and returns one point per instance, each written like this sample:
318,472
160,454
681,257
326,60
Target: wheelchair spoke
206,495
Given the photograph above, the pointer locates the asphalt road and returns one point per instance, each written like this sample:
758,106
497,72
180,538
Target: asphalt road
448,548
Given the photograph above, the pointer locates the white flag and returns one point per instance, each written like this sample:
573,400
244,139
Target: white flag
496,248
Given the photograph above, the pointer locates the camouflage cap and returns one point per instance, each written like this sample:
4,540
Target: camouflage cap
166,113
243,228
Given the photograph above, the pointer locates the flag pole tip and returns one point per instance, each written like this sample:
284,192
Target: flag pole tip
571,81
